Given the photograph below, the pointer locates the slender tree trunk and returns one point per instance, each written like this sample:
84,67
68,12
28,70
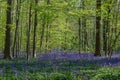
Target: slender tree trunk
28,33
65,38
85,34
112,41
98,29
21,34
21,31
16,30
84,28
47,37
8,33
42,35
47,30
35,27
106,30
105,36
79,33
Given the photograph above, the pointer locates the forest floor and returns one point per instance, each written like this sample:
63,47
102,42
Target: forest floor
61,67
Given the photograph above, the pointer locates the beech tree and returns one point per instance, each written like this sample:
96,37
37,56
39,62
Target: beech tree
29,30
98,29
8,32
16,37
35,28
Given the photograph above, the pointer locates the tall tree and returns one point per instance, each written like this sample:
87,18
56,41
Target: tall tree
8,33
42,33
106,27
113,34
29,30
98,29
16,40
79,34
84,28
47,29
35,27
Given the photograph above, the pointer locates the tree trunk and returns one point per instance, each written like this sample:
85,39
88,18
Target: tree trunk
16,30
47,30
98,29
79,33
28,33
35,27
42,34
106,30
84,28
85,33
105,36
8,33
47,37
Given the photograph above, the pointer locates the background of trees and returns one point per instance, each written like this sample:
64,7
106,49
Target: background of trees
41,26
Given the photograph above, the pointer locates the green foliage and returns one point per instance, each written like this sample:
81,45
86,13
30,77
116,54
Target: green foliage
58,76
107,73
35,77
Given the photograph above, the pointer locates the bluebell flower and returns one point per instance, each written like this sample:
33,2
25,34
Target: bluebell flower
1,71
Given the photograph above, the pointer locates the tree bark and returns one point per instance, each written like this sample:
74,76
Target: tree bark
98,29
79,34
47,30
29,30
16,40
35,27
8,33
42,34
